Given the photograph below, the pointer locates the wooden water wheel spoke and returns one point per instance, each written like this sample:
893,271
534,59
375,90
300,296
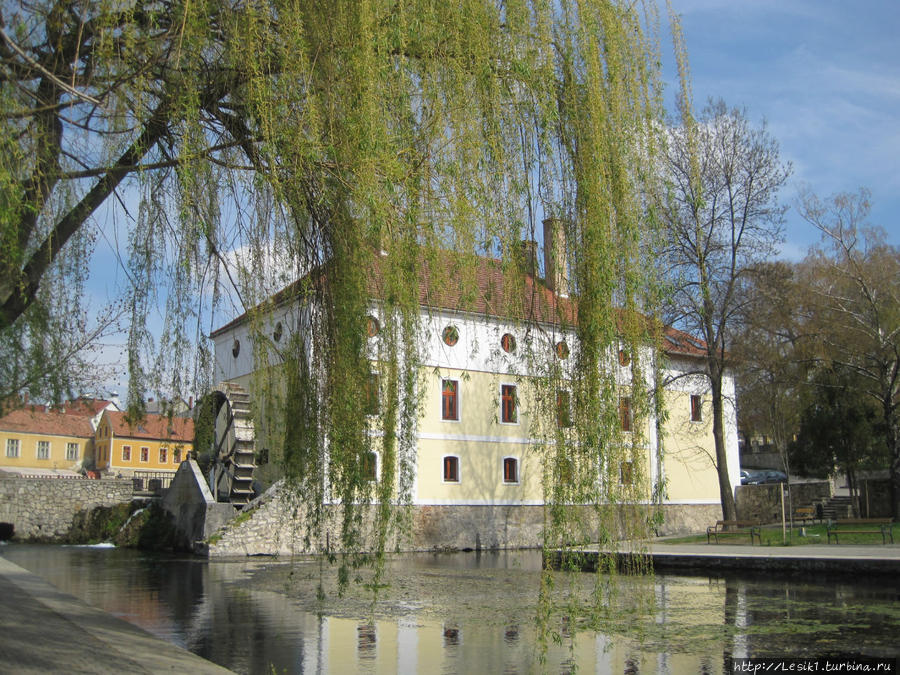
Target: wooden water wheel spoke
232,443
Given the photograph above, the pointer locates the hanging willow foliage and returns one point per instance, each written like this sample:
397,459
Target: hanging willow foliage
360,148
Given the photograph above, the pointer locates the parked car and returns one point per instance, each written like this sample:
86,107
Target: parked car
762,476
772,476
749,477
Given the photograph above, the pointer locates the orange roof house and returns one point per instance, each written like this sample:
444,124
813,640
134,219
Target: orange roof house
34,437
156,443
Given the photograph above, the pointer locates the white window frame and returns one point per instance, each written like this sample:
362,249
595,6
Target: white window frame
130,456
622,470
569,416
458,400
377,465
163,449
142,460
515,387
458,470
15,445
70,455
376,376
42,445
699,399
518,462
630,429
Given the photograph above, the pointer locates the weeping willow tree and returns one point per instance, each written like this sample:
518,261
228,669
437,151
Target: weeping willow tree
371,153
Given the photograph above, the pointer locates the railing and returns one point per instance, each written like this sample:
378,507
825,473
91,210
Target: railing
152,482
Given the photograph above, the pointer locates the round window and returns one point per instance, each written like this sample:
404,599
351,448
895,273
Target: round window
235,348
372,326
451,335
508,343
562,350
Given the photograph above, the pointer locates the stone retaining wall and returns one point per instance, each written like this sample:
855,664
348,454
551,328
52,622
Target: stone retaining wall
42,509
763,502
275,525
875,498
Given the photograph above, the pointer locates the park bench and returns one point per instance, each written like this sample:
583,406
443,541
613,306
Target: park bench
805,514
730,527
859,526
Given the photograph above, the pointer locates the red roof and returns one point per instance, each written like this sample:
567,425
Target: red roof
532,300
87,407
37,420
154,427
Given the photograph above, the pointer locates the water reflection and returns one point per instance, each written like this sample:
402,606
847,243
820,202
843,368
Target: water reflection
464,613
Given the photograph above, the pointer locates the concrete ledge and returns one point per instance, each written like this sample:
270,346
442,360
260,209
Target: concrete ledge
705,558
43,630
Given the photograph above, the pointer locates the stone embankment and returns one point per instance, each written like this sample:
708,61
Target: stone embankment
277,524
44,508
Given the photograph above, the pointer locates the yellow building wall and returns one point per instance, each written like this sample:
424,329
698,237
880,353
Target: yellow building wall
28,448
689,450
109,452
479,439
482,441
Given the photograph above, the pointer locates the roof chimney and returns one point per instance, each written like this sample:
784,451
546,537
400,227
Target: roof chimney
528,257
556,274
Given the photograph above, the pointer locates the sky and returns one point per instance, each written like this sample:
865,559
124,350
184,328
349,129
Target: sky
825,77
823,74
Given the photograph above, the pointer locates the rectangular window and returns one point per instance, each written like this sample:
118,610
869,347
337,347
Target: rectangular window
369,465
72,452
145,454
625,413
449,400
163,455
176,456
126,453
43,449
371,394
12,447
510,470
451,469
563,408
626,473
508,412
696,408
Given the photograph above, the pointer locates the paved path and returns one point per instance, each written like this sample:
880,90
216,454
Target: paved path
836,558
702,558
43,630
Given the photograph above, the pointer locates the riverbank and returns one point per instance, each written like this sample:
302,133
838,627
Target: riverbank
43,630
702,558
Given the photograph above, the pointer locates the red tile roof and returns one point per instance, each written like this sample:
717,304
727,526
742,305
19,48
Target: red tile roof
532,300
154,427
37,420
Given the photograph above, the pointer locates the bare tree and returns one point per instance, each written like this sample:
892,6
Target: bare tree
723,218
855,305
769,352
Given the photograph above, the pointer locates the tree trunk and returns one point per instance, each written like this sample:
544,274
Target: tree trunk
893,439
726,492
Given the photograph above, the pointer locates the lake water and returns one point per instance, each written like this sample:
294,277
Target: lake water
468,612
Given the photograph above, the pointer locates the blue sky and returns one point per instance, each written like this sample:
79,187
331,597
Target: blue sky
825,76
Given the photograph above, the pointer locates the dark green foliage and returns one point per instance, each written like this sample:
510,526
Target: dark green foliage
839,429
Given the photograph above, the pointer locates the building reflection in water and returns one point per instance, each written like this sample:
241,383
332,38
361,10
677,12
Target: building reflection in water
219,611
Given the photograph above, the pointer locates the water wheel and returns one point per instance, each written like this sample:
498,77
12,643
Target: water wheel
225,431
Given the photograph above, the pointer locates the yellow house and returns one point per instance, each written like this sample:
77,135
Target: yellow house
34,437
155,444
